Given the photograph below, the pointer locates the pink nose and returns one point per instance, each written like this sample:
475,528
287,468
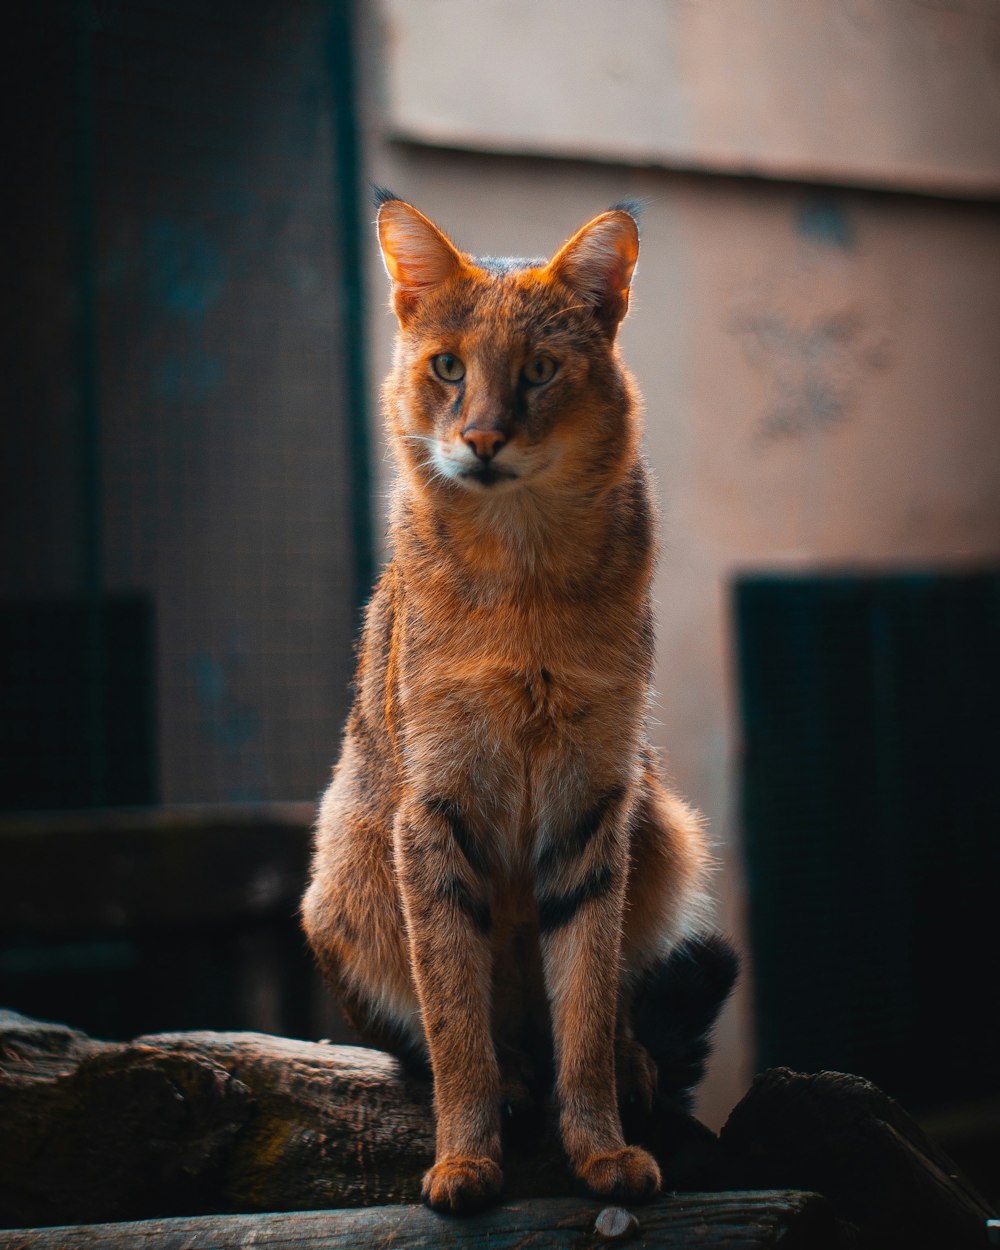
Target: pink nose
485,443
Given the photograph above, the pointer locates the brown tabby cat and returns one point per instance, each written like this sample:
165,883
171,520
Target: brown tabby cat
496,855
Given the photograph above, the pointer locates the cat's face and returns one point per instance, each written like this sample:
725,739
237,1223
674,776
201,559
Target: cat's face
506,372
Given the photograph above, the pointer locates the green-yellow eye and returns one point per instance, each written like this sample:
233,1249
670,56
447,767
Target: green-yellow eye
448,367
539,370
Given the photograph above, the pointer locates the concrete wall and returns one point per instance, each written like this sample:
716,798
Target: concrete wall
821,374
880,92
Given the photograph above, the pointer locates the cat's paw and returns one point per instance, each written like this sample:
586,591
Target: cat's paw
460,1185
629,1173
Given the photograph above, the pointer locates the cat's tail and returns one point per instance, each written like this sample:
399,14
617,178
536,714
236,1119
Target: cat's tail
674,1010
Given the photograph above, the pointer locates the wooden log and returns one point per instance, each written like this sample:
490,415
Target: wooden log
843,1137
199,1123
191,1123
736,1221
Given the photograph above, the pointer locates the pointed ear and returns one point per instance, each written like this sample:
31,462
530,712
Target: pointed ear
598,262
416,254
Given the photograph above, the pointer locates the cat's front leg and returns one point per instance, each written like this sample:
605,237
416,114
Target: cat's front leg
581,897
446,905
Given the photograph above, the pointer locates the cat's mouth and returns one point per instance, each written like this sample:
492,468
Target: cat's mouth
487,474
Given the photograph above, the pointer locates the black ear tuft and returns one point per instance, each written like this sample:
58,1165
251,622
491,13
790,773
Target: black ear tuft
382,195
634,208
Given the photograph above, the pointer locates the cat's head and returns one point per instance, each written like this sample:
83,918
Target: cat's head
506,371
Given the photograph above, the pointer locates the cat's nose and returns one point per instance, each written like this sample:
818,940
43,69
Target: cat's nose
485,443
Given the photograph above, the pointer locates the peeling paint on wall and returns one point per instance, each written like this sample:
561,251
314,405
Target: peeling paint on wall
823,219
816,370
812,328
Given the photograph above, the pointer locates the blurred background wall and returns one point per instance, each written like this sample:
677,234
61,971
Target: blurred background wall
194,476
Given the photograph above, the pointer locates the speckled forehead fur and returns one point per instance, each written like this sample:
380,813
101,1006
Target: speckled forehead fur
509,295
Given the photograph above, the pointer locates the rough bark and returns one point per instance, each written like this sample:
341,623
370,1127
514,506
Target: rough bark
189,1123
751,1221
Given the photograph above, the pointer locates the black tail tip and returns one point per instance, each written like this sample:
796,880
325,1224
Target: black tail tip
676,1007
701,972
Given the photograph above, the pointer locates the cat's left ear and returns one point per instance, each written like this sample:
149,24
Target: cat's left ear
417,255
598,263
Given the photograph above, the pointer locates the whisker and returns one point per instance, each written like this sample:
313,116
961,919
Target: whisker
561,311
433,469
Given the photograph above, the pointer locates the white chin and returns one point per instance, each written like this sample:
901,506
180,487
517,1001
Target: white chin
473,475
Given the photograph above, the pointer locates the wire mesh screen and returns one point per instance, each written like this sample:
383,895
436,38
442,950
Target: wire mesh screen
183,439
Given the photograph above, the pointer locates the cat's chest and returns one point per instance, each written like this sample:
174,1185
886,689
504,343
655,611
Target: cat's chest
498,701
546,700
499,693
519,719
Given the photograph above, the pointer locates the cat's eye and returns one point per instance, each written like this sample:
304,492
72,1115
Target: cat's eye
539,370
448,367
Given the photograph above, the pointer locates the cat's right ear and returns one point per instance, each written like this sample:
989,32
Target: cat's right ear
598,263
417,256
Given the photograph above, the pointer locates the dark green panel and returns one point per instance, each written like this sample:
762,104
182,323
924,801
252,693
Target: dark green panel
871,813
46,654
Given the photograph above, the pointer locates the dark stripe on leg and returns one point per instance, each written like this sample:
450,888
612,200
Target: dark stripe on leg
558,910
572,845
457,893
466,842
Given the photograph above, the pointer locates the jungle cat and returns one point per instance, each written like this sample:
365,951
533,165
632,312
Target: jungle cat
496,856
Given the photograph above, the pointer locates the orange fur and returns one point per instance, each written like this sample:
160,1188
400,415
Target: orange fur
496,856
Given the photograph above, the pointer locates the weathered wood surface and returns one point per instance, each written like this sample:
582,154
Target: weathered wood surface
184,1123
732,1221
845,1138
197,1123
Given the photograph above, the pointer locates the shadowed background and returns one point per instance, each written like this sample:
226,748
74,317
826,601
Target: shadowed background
194,472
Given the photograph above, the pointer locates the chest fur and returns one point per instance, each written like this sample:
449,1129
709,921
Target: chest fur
520,727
